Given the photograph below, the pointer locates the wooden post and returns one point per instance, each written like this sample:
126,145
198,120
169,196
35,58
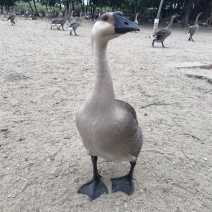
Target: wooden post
156,21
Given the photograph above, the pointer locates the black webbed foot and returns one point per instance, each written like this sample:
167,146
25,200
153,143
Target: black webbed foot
93,189
124,184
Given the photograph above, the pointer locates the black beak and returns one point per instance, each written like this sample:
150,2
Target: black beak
122,24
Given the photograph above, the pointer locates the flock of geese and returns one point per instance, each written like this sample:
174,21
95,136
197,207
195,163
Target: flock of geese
159,37
109,127
59,22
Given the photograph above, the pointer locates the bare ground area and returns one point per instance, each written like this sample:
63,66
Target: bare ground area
46,76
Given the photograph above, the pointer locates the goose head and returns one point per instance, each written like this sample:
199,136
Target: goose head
175,16
110,25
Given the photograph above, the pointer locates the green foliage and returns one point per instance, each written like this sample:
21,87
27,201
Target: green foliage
8,2
128,6
21,6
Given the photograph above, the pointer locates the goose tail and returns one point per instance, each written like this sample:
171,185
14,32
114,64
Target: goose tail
153,37
70,28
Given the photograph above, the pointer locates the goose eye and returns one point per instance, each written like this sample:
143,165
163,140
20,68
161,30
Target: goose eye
105,18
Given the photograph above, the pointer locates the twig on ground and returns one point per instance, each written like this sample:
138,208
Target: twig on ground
184,153
155,103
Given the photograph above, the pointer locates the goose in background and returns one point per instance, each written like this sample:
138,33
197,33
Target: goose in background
60,15
12,19
136,19
4,12
108,127
193,29
60,23
26,14
75,25
206,23
71,17
161,35
54,21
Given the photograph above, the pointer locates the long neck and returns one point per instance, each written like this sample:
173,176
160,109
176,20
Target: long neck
170,23
136,17
196,21
103,85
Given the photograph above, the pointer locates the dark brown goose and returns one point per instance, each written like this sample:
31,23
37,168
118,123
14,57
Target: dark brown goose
193,29
108,127
12,19
61,22
161,35
75,25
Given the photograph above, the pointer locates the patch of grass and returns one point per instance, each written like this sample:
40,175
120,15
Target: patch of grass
21,6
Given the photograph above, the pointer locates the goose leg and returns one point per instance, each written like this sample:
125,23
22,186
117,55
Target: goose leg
125,183
163,45
75,33
153,43
70,32
95,187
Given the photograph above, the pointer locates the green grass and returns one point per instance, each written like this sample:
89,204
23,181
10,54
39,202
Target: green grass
21,6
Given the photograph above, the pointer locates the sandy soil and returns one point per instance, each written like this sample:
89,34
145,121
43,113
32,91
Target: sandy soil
46,76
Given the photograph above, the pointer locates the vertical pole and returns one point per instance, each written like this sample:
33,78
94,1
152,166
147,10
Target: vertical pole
156,21
25,6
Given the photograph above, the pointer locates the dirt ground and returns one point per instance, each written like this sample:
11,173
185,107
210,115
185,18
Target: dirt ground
45,77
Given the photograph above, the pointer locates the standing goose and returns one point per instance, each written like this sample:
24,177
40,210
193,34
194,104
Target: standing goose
12,19
108,127
75,25
161,35
71,17
136,19
61,22
54,22
194,28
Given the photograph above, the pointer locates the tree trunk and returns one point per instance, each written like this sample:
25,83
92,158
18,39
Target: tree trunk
187,13
35,6
207,10
83,6
72,5
30,6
